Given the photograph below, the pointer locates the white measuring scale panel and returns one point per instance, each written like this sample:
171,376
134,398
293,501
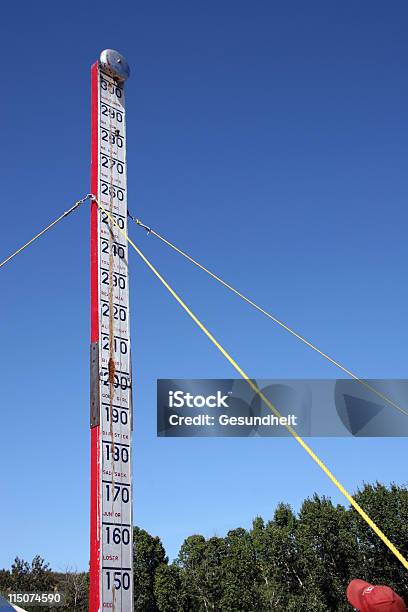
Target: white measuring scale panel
111,537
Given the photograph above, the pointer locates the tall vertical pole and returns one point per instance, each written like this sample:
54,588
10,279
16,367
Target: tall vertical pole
111,575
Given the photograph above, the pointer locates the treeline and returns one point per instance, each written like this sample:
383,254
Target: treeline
294,562
37,576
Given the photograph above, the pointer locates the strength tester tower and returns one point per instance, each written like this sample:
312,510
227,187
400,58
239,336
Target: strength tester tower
111,576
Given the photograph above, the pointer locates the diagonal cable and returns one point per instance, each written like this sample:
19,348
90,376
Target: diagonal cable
88,196
269,404
272,317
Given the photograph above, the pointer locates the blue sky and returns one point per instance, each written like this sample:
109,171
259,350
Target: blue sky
268,139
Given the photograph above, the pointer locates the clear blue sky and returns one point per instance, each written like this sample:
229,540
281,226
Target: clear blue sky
270,140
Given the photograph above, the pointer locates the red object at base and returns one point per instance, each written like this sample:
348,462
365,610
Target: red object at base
369,598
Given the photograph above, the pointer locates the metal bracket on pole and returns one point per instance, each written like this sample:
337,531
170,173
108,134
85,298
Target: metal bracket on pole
94,412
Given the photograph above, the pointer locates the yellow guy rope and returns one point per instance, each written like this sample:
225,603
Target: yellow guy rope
270,316
254,387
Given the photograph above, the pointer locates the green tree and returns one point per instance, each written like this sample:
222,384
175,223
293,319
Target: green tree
277,559
148,555
327,554
75,585
239,577
5,581
41,577
388,507
169,589
34,577
20,575
200,561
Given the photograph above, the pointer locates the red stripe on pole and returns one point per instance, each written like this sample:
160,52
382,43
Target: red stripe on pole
95,562
94,206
